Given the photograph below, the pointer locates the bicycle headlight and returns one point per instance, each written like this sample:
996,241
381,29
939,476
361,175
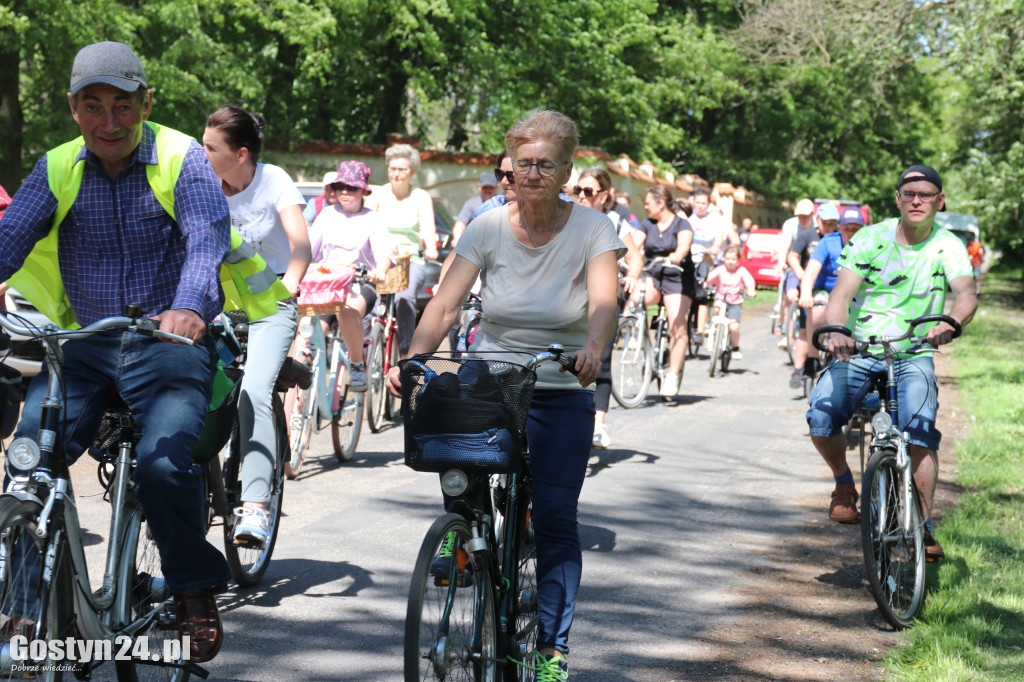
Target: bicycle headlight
881,423
23,453
454,482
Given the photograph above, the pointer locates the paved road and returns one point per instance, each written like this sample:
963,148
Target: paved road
688,496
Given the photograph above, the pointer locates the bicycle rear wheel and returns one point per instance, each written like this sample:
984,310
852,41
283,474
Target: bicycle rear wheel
631,362
376,393
691,332
451,628
27,605
726,355
894,559
249,562
303,417
144,593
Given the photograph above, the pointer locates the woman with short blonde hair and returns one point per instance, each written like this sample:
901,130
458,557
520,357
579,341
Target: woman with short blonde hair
549,277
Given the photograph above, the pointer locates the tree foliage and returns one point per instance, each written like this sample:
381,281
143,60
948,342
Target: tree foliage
787,97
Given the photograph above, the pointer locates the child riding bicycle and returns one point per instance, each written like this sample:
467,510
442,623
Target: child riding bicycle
732,284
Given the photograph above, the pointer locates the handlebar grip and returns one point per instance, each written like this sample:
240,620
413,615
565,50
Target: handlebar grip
826,329
957,327
569,362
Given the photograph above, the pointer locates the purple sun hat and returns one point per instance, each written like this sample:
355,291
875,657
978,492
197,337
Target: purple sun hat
354,174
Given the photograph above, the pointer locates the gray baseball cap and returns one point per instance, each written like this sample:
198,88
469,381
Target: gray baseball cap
111,63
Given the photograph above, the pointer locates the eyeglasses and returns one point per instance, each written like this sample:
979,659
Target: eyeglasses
588,192
545,168
499,174
925,197
342,187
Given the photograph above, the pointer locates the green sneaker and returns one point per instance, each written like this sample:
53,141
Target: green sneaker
548,668
442,565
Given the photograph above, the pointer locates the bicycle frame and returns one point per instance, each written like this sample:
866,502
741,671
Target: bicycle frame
328,399
48,484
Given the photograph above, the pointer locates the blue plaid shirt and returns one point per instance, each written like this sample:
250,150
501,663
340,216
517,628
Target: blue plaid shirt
118,246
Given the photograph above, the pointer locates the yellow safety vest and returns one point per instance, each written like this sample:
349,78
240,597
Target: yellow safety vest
246,279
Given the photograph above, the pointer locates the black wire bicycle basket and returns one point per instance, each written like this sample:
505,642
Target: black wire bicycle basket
465,413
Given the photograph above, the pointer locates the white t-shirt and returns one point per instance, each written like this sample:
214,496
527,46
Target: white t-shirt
705,232
256,213
533,297
339,237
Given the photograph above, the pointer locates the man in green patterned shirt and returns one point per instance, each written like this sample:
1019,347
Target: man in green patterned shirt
890,273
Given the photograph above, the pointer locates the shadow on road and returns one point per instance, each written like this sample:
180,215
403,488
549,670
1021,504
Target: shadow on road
289,577
605,459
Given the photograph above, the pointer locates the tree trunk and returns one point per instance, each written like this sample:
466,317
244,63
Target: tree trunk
11,115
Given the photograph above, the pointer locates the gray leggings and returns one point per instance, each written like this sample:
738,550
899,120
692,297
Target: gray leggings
405,307
269,341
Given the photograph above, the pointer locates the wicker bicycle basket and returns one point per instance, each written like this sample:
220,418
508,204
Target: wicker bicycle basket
465,413
397,278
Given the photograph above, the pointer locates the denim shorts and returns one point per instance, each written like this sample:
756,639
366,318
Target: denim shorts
842,387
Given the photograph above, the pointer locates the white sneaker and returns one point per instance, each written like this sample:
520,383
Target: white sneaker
252,527
357,381
736,354
669,385
783,343
601,438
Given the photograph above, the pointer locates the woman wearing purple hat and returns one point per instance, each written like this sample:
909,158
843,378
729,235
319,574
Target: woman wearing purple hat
266,209
349,232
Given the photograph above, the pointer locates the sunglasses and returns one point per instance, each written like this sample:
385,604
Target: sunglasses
342,187
499,174
588,192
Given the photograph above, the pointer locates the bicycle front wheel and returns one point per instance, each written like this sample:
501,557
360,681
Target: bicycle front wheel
375,390
144,594
715,347
450,623
523,638
631,362
249,561
792,329
347,420
28,605
892,535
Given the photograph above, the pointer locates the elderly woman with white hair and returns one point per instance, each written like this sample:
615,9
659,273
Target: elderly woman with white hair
550,276
409,214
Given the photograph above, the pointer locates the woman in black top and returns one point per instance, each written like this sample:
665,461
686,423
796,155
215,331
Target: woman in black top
667,236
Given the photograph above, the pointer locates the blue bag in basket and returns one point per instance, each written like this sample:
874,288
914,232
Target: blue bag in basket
493,451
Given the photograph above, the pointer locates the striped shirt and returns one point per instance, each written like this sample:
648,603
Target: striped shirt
117,245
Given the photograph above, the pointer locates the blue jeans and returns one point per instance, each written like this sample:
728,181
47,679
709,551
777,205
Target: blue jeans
168,387
843,385
560,430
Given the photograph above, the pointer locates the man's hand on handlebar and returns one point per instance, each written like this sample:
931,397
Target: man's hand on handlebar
841,346
183,322
941,334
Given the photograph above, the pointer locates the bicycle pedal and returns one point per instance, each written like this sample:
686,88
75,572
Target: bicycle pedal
248,543
462,580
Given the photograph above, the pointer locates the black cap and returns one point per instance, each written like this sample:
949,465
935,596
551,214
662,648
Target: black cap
926,173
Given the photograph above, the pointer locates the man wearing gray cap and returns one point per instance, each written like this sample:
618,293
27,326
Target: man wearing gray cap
892,272
486,189
137,217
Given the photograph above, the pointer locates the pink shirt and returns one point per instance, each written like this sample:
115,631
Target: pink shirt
729,286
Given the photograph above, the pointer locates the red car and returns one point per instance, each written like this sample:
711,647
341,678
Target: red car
760,257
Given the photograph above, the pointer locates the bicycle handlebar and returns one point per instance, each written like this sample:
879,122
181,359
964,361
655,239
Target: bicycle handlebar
555,351
884,340
142,325
664,262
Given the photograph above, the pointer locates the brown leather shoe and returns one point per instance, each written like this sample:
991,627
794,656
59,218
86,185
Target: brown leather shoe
844,504
199,620
17,625
932,548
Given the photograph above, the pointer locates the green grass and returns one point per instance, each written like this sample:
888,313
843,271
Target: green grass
972,627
